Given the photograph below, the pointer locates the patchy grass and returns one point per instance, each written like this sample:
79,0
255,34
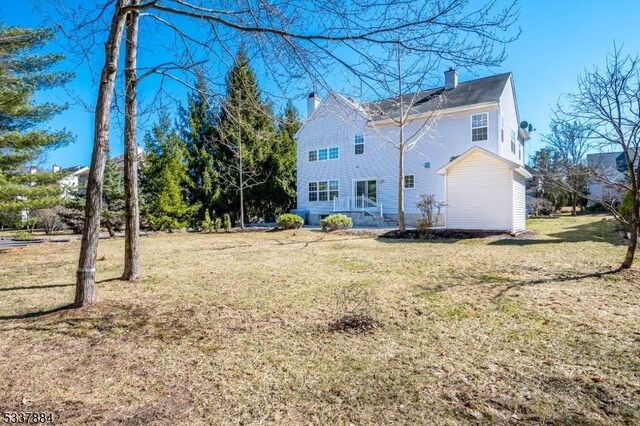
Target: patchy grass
233,328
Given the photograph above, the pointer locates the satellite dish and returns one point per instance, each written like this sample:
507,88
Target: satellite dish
524,125
530,127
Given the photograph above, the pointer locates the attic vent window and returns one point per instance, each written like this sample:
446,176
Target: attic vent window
479,127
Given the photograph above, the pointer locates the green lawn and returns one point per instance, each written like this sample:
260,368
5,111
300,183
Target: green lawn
232,328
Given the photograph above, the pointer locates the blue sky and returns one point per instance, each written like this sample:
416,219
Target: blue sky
559,40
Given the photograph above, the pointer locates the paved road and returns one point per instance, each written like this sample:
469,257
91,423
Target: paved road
8,244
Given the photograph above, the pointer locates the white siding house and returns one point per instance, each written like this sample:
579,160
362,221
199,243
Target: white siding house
347,162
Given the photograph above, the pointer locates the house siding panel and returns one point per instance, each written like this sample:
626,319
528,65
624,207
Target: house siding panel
519,204
478,194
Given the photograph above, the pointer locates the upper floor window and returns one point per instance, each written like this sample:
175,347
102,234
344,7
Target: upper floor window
359,141
409,181
513,141
333,153
520,150
323,154
479,127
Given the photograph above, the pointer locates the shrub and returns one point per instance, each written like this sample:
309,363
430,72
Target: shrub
23,235
430,209
336,221
217,224
207,223
50,219
541,207
227,222
289,221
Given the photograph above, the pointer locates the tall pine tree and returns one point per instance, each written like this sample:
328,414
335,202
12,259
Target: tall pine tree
22,140
247,135
200,138
163,179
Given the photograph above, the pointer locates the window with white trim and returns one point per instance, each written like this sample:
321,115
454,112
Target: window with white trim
323,154
324,190
513,141
313,191
313,155
480,127
359,144
520,150
333,153
409,181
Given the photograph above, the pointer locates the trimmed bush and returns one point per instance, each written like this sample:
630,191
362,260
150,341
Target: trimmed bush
626,206
289,221
335,222
226,222
23,235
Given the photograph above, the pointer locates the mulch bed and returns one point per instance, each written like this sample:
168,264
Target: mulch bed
451,234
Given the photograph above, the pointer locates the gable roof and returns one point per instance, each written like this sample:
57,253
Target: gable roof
473,92
513,165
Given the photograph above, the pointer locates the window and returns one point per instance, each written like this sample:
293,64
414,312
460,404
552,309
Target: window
323,190
479,127
313,191
333,189
409,181
313,155
359,141
520,150
333,153
322,154
513,141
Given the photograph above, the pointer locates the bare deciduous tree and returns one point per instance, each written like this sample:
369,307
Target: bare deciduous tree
608,102
132,269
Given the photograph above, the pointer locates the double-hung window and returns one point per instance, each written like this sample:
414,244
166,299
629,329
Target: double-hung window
323,154
513,141
333,153
409,181
480,127
313,191
313,155
323,190
359,144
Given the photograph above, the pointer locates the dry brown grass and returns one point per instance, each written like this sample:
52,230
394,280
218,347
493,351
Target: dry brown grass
232,328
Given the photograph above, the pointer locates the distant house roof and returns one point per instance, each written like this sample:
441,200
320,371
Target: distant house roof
74,169
479,91
460,158
608,160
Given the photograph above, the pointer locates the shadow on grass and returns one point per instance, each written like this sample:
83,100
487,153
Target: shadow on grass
558,278
600,231
42,313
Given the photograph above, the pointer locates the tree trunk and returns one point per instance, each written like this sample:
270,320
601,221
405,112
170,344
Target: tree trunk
634,225
401,223
86,272
574,202
132,270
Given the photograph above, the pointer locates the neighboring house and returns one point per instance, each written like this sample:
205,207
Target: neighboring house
75,177
472,158
612,167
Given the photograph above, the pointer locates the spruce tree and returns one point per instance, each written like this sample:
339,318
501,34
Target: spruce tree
22,140
247,135
199,136
164,176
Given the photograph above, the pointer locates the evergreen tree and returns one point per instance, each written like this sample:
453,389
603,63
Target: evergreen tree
199,136
22,142
247,136
113,209
164,176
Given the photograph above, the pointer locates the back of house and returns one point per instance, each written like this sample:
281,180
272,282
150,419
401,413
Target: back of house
464,144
